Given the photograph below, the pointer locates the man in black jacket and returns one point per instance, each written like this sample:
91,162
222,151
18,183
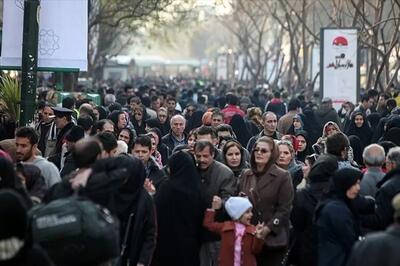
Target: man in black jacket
388,187
176,136
369,252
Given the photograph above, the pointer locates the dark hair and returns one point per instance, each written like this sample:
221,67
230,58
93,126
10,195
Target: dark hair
128,87
391,103
29,133
159,134
99,125
114,107
232,99
337,143
108,140
144,140
202,144
85,152
135,99
232,143
207,130
225,127
85,121
154,98
68,102
277,94
364,98
131,137
294,104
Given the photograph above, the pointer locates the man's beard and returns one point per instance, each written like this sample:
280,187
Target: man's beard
24,158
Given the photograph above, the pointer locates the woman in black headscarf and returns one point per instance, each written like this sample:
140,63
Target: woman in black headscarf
10,180
194,121
138,119
303,146
357,148
180,209
122,179
337,220
240,129
161,147
17,248
359,127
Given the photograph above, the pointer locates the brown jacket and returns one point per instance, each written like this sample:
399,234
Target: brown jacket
285,122
271,195
251,245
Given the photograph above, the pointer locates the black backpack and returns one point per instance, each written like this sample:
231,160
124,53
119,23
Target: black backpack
75,231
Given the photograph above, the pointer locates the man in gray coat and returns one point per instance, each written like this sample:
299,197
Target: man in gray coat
374,158
218,180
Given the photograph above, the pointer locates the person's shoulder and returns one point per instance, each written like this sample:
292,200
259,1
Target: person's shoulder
222,167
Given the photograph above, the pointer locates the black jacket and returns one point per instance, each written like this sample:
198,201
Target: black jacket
338,230
304,251
388,188
378,249
325,115
168,140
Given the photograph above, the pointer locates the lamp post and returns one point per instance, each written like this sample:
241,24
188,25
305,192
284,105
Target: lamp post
29,60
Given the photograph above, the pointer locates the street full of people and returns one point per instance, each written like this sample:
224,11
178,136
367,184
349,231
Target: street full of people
188,174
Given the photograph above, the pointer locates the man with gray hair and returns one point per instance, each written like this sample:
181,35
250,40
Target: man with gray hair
176,136
374,158
388,187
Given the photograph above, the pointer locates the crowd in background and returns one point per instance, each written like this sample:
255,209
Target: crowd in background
205,175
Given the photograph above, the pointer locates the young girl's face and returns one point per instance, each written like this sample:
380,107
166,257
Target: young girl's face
296,124
246,217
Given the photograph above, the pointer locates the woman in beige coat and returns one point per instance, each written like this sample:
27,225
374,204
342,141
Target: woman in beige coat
270,190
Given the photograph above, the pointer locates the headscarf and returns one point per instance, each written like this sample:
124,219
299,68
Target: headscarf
301,156
357,148
364,132
240,129
393,135
195,120
243,164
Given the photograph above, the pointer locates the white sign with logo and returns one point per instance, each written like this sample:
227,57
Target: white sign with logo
339,65
222,67
63,30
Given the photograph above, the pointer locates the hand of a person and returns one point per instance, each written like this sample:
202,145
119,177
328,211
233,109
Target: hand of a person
81,178
216,203
261,230
148,185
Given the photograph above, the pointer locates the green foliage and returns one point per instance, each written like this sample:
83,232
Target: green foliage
10,97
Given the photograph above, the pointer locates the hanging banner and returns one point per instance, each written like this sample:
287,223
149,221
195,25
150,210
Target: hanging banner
222,67
63,30
339,65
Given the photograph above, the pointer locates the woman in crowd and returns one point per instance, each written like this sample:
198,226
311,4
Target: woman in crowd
267,185
16,247
297,125
192,137
128,136
119,119
359,127
180,209
336,219
240,129
287,161
254,120
303,145
330,128
10,180
162,149
139,117
234,158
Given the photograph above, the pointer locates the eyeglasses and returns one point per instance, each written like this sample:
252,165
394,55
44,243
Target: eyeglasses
263,151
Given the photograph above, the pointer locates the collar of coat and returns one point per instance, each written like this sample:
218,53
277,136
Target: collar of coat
230,226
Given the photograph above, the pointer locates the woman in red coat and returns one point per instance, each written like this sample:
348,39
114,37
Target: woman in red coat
240,240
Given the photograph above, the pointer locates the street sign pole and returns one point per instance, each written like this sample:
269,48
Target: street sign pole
29,60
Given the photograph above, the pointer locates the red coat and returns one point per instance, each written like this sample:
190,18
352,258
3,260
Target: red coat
251,245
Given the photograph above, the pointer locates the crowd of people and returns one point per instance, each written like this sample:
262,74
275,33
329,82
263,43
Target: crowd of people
219,178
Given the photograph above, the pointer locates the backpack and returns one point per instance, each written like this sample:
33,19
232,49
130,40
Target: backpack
75,231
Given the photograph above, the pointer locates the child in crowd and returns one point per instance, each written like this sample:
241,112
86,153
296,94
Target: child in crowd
240,240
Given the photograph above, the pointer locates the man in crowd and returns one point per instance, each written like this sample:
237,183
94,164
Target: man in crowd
217,118
374,158
276,105
366,103
176,136
142,151
232,108
270,126
109,143
26,141
388,187
217,179
380,248
208,133
286,121
326,113
63,121
47,131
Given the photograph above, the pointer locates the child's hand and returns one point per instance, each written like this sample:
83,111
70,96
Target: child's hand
261,230
148,185
216,203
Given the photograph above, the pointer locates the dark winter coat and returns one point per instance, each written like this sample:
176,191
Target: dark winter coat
378,249
388,187
337,232
324,115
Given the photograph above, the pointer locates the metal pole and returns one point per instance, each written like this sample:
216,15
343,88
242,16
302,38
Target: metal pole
29,60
